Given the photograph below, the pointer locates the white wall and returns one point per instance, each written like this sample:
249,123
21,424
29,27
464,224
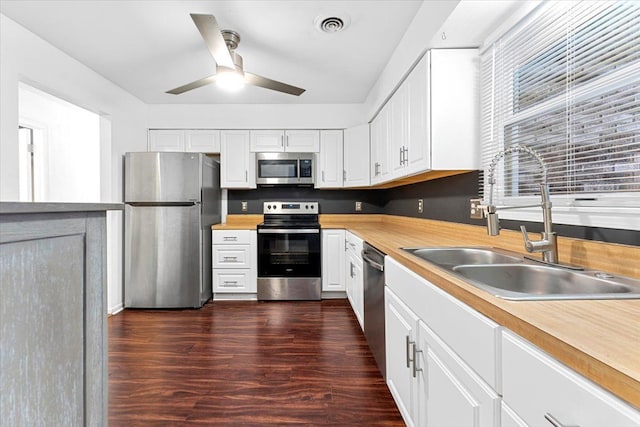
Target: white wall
256,116
70,163
27,58
413,44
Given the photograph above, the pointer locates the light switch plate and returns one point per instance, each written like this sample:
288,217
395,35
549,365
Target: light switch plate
244,206
358,206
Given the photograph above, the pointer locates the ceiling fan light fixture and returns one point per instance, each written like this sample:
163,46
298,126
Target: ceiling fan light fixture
229,80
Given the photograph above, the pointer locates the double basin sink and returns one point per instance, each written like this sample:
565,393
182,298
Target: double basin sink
510,276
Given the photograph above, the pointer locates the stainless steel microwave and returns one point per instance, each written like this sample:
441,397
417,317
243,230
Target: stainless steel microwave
285,168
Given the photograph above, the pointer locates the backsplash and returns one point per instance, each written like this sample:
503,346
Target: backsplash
445,199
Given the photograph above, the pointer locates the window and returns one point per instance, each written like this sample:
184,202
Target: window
565,81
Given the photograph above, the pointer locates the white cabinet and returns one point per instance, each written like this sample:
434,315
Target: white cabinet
536,385
237,163
449,393
401,330
437,370
380,146
202,141
333,260
185,140
302,141
356,152
354,279
234,260
294,141
431,122
329,170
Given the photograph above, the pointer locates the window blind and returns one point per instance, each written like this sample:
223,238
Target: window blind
565,82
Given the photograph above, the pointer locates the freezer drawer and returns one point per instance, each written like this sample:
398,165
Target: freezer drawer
162,256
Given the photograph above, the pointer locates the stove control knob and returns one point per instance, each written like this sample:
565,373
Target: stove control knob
268,206
306,206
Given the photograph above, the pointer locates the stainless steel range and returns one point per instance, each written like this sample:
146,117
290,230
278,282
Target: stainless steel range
289,257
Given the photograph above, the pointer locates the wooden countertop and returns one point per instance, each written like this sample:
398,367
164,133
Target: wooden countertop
600,339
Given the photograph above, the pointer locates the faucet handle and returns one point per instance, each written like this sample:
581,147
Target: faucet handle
528,244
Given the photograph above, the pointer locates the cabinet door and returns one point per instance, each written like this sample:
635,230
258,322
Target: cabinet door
302,141
455,114
417,156
380,146
166,140
399,126
356,149
449,392
329,160
267,141
535,384
237,163
357,284
400,335
202,141
333,260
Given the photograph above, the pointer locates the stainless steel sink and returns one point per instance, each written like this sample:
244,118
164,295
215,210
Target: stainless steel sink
511,276
451,257
538,282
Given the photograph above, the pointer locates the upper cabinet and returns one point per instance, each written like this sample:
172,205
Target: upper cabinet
329,170
431,123
294,141
184,140
356,151
237,163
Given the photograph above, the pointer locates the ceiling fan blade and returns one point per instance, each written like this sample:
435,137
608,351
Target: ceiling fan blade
266,83
208,27
192,85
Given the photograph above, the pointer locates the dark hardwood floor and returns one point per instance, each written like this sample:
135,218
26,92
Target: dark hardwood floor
245,363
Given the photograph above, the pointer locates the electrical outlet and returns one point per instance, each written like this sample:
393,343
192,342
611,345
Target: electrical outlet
358,206
476,210
420,205
244,206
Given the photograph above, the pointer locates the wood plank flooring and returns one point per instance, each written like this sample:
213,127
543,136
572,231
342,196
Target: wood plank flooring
245,363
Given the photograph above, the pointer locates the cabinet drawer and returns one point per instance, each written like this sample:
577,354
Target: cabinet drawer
474,337
233,281
230,237
227,256
535,384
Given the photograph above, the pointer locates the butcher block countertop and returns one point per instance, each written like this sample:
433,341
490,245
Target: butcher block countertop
600,339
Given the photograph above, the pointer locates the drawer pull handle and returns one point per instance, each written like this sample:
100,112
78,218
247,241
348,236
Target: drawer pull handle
230,258
229,238
554,421
415,369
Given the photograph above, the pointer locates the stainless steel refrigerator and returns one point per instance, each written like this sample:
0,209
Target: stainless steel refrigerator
171,201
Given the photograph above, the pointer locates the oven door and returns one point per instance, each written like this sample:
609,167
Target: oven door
289,252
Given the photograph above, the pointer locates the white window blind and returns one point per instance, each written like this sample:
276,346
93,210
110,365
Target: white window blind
566,82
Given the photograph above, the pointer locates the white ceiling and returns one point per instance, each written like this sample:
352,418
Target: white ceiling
148,47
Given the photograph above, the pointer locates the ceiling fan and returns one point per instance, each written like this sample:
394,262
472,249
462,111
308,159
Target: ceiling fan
229,70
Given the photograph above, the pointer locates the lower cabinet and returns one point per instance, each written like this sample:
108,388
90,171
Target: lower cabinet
432,384
541,391
234,262
354,280
333,260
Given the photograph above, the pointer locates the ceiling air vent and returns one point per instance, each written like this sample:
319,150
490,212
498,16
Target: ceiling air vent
331,24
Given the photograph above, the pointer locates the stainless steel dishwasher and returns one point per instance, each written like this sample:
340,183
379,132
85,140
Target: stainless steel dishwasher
374,304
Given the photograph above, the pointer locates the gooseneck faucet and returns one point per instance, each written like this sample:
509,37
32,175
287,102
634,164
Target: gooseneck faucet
548,244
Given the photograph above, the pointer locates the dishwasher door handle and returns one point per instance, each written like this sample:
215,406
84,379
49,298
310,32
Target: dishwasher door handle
371,262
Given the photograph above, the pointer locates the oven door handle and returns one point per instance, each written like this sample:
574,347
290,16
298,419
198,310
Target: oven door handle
289,231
